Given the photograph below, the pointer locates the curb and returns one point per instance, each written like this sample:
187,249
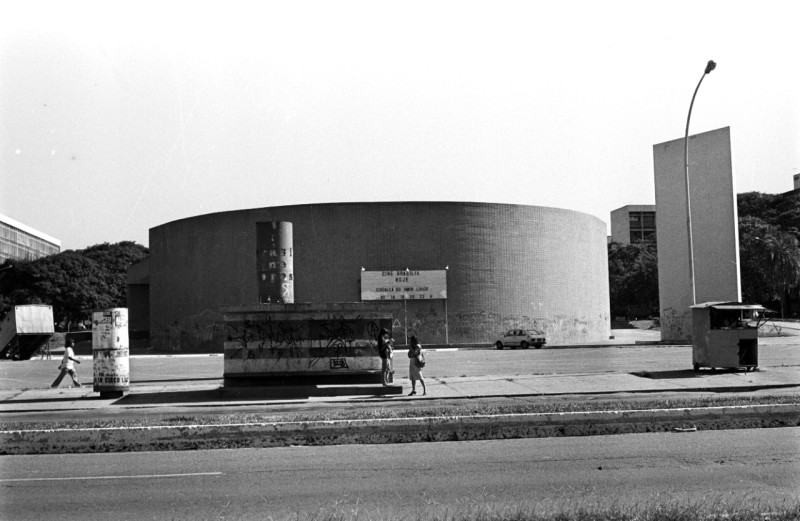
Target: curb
394,430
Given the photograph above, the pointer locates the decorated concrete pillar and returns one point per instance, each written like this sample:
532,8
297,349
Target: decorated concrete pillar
275,264
110,351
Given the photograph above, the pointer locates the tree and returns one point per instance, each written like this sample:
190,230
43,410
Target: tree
74,282
769,233
779,210
770,262
633,278
756,204
115,260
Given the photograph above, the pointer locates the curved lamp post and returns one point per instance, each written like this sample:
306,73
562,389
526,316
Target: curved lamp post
709,67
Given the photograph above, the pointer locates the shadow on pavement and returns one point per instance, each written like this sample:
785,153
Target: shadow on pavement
675,374
245,393
64,399
191,396
171,380
688,373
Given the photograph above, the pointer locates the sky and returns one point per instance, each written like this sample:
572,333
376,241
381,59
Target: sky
117,117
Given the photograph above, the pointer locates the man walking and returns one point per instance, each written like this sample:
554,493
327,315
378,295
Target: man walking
67,365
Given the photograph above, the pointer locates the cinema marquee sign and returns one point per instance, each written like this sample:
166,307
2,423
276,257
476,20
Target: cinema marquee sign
404,285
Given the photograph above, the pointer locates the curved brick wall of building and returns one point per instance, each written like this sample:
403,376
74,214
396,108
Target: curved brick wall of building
509,266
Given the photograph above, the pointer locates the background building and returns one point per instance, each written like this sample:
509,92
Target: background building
507,266
19,241
633,224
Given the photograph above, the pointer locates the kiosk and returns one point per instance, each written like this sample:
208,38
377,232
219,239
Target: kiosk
725,335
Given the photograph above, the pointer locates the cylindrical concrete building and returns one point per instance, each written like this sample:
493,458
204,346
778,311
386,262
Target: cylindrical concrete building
508,266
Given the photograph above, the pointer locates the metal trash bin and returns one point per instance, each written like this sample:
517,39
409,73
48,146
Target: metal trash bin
725,335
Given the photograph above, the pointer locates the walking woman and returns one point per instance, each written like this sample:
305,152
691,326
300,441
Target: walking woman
416,361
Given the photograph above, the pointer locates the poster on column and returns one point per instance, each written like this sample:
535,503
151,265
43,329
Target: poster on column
110,349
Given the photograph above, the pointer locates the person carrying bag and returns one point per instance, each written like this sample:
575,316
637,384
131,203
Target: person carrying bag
416,361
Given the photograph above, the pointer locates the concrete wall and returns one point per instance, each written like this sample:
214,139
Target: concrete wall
509,266
714,228
138,297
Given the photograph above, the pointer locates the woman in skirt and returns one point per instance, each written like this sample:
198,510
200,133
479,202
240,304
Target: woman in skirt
415,365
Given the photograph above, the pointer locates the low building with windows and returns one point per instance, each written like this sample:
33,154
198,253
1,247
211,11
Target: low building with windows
21,242
633,224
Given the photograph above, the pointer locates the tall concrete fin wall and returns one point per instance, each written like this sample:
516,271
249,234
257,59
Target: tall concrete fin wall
714,228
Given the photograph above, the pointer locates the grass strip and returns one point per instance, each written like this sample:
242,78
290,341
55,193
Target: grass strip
412,410
708,509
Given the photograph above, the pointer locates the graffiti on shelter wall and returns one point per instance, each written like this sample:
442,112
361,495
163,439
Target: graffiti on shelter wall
311,343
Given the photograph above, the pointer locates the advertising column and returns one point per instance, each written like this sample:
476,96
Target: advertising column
110,349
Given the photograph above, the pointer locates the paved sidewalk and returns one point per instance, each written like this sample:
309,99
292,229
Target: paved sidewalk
189,391
209,393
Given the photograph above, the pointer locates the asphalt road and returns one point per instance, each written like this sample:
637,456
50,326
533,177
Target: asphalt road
387,481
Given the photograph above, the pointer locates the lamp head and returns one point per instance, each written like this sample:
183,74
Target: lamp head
710,66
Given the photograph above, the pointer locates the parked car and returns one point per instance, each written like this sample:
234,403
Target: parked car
523,338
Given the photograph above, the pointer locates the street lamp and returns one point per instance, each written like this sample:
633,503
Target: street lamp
710,66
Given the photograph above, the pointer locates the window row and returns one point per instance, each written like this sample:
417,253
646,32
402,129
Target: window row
11,250
14,236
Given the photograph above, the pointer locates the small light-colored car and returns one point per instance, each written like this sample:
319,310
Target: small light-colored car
523,338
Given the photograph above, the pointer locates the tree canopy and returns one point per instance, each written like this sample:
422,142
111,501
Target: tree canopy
769,248
779,210
633,279
769,262
74,282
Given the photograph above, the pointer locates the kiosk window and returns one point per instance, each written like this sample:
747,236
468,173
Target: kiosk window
726,318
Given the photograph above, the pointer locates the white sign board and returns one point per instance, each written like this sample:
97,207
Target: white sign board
404,285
